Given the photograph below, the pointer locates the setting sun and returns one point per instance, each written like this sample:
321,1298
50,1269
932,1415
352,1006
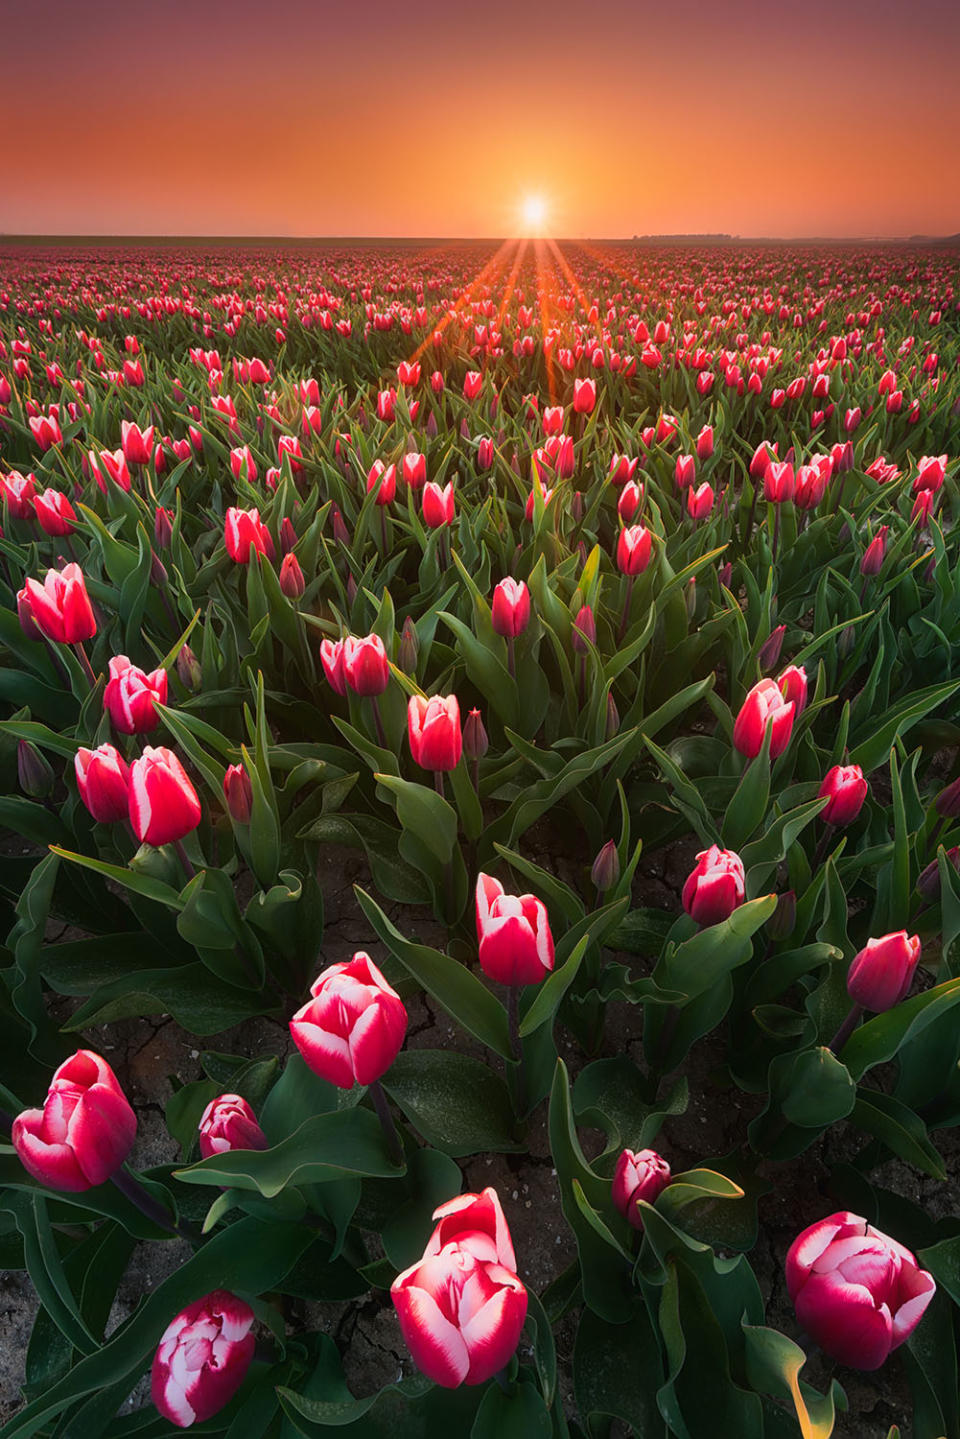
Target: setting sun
534,213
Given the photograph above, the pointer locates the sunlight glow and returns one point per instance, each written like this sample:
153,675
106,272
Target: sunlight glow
534,213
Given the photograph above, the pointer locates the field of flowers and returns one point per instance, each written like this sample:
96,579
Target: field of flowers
597,610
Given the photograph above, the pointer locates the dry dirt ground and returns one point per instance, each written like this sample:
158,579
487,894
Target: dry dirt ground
146,1053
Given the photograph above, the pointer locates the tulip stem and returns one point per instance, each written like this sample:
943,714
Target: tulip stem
438,782
390,1131
823,844
626,608
508,1386
846,1029
383,527
87,667
378,723
184,859
511,657
776,533
516,1043
132,1188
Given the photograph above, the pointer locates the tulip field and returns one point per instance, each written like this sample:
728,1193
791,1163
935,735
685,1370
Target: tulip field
480,879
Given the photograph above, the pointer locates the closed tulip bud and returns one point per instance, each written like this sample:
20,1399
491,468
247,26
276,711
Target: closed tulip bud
947,802
331,658
851,419
238,794
415,470
84,1131
725,575
882,972
292,582
634,548
576,507
606,868
288,536
365,665
685,470
872,562
60,607
856,1292
433,729
845,790
202,1358
163,803
771,647
715,887
485,454
475,739
409,647
228,1123
130,696
612,725
928,885
510,611
793,687
705,443
584,628
461,1307
188,669
34,772
638,1176
923,508
438,504
163,527
764,704
513,932
781,923
340,532
584,396
352,1028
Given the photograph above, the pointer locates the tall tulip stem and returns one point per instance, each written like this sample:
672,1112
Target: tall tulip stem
823,844
626,608
378,723
87,667
516,1043
511,657
390,1132
184,859
846,1029
131,1188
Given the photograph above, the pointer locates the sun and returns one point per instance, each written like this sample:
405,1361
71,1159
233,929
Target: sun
534,213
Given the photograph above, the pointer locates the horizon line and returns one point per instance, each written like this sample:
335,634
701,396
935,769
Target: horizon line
687,237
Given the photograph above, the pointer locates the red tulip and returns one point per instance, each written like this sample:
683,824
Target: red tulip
292,582
510,611
386,404
365,665
352,1028
137,444
228,1123
516,944
438,504
845,789
584,628
472,384
202,1359
584,396
242,464
475,1221
685,470
552,420
622,469
700,501
485,454
103,779
130,696
46,430
715,887
163,803
18,491
61,606
872,562
84,1131
931,472
857,1292
778,482
882,972
633,550
414,469
461,1308
54,512
238,793
386,477
705,443
113,464
331,657
638,1176
763,705
433,728
793,687
244,534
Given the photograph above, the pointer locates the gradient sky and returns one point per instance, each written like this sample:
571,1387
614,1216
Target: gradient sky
284,117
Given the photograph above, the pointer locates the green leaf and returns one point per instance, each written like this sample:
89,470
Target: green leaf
141,884
699,962
902,1131
455,988
324,1148
551,992
457,1103
894,722
424,812
189,992
879,1039
519,1414
773,1367
749,804
617,1371
613,1095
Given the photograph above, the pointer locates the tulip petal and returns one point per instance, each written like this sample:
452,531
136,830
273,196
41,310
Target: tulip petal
436,1344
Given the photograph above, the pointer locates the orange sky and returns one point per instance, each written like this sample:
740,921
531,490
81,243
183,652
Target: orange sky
297,118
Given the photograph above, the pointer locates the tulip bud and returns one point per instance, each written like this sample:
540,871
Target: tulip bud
725,575
947,802
771,647
882,972
576,507
928,885
584,628
409,647
238,793
845,790
606,868
638,1176
612,724
781,923
163,527
228,1123
873,557
292,582
34,772
715,887
288,536
188,669
846,640
475,740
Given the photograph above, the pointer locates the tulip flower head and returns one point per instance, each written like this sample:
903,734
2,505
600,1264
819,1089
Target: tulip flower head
130,696
516,944
365,665
715,887
202,1358
352,1028
84,1131
433,728
882,973
60,607
163,803
633,550
103,779
228,1123
764,705
643,1175
845,790
857,1292
510,610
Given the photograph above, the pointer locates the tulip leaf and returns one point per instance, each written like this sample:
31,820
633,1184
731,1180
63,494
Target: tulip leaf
884,729
879,1039
613,1095
141,884
617,1370
457,1103
455,988
517,1414
189,993
699,962
746,810
902,1131
425,813
550,993
773,1364
327,1147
